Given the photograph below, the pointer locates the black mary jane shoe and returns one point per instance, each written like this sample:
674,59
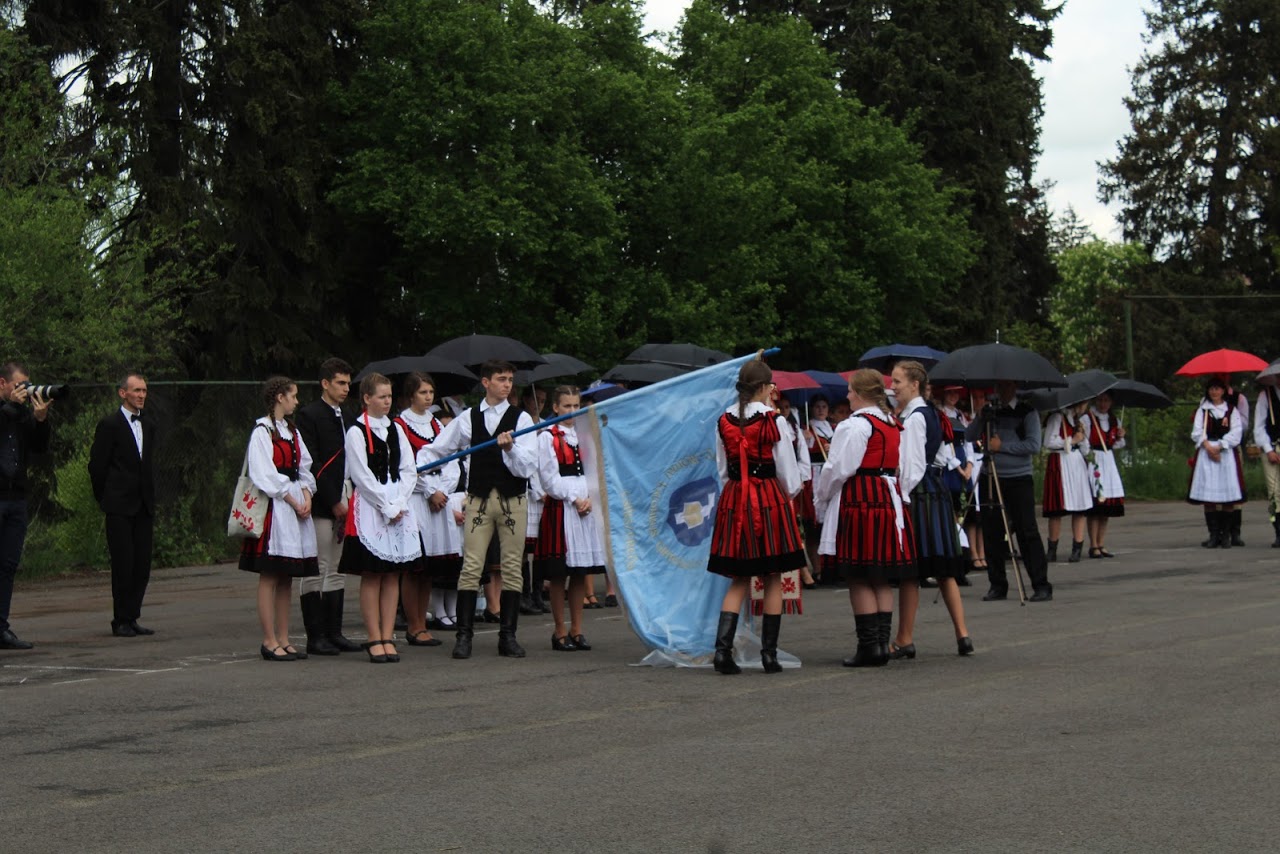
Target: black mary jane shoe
490,617
564,644
295,652
908,651
414,639
581,643
1095,553
964,646
368,646
392,656
270,654
1104,553
611,601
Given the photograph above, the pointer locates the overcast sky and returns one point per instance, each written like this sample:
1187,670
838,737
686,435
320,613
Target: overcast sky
1095,43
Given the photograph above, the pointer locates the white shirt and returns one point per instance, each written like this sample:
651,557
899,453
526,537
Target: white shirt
388,498
1103,420
262,466
1261,417
1208,410
784,452
553,484
136,427
521,459
1053,439
911,461
848,447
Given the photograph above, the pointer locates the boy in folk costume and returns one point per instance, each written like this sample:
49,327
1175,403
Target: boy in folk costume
497,486
1266,435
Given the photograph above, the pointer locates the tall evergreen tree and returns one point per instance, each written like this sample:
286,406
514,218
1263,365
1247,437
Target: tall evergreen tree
1198,177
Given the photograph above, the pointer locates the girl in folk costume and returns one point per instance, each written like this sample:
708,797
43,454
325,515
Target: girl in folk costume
443,554
1240,404
817,438
958,478
280,467
1067,477
382,537
926,450
866,535
755,533
429,499
803,505
1106,436
1266,435
975,453
1216,479
571,539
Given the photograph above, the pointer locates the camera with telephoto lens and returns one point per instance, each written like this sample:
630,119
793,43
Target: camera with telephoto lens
48,392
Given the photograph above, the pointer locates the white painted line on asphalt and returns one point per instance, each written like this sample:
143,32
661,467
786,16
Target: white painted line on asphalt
165,670
237,661
91,669
74,681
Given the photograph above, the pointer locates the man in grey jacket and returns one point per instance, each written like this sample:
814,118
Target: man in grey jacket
1011,430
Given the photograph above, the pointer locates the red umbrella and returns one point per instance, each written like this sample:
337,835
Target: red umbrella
1221,362
788,380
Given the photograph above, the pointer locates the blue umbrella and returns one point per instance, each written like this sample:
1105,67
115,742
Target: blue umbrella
884,358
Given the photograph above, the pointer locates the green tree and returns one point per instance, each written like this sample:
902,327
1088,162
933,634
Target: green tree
958,75
1197,176
1085,307
796,216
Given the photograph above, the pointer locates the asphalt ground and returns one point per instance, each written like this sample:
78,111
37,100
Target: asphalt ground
1135,712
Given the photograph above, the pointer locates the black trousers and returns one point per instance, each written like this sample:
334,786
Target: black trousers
13,533
129,539
1020,507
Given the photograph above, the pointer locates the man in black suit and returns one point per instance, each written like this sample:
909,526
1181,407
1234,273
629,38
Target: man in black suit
323,424
120,469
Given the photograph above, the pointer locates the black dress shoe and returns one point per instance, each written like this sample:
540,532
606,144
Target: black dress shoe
564,644
995,594
964,646
140,630
908,651
581,643
490,617
1042,594
123,630
415,639
8,640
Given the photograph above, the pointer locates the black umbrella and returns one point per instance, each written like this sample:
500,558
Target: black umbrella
988,364
884,358
450,376
475,350
558,365
1138,395
680,355
1082,385
644,372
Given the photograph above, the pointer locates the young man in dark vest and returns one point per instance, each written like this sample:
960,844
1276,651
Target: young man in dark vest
323,424
497,480
121,471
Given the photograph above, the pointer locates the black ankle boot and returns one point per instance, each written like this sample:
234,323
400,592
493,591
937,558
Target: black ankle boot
884,631
507,644
1051,553
334,601
769,627
867,627
313,617
465,622
725,631
1224,529
1076,548
1275,523
1234,530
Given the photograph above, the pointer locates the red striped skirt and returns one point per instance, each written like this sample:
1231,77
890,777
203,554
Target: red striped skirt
551,543
804,507
755,531
868,547
1051,503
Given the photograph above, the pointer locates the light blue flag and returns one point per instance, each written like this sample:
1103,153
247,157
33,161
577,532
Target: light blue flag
650,455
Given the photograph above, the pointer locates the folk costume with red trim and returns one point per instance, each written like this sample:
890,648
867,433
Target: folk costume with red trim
569,543
1067,476
280,466
1108,489
382,532
867,534
441,535
755,529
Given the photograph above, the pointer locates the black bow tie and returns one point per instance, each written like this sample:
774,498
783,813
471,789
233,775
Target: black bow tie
136,416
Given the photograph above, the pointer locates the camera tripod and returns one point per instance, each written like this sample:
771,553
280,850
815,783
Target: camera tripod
990,460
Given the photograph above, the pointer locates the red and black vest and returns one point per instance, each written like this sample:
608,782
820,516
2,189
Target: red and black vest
883,447
750,441
569,457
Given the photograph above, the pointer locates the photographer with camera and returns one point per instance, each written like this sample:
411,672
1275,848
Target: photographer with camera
24,430
1011,430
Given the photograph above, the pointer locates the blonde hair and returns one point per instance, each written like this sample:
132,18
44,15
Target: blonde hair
868,384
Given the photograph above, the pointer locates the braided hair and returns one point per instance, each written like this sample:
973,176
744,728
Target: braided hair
753,376
271,390
868,383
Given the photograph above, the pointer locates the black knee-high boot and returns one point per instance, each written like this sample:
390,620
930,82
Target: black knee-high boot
334,602
1224,529
1211,522
883,635
867,627
769,627
465,622
313,617
1235,520
725,631
507,644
